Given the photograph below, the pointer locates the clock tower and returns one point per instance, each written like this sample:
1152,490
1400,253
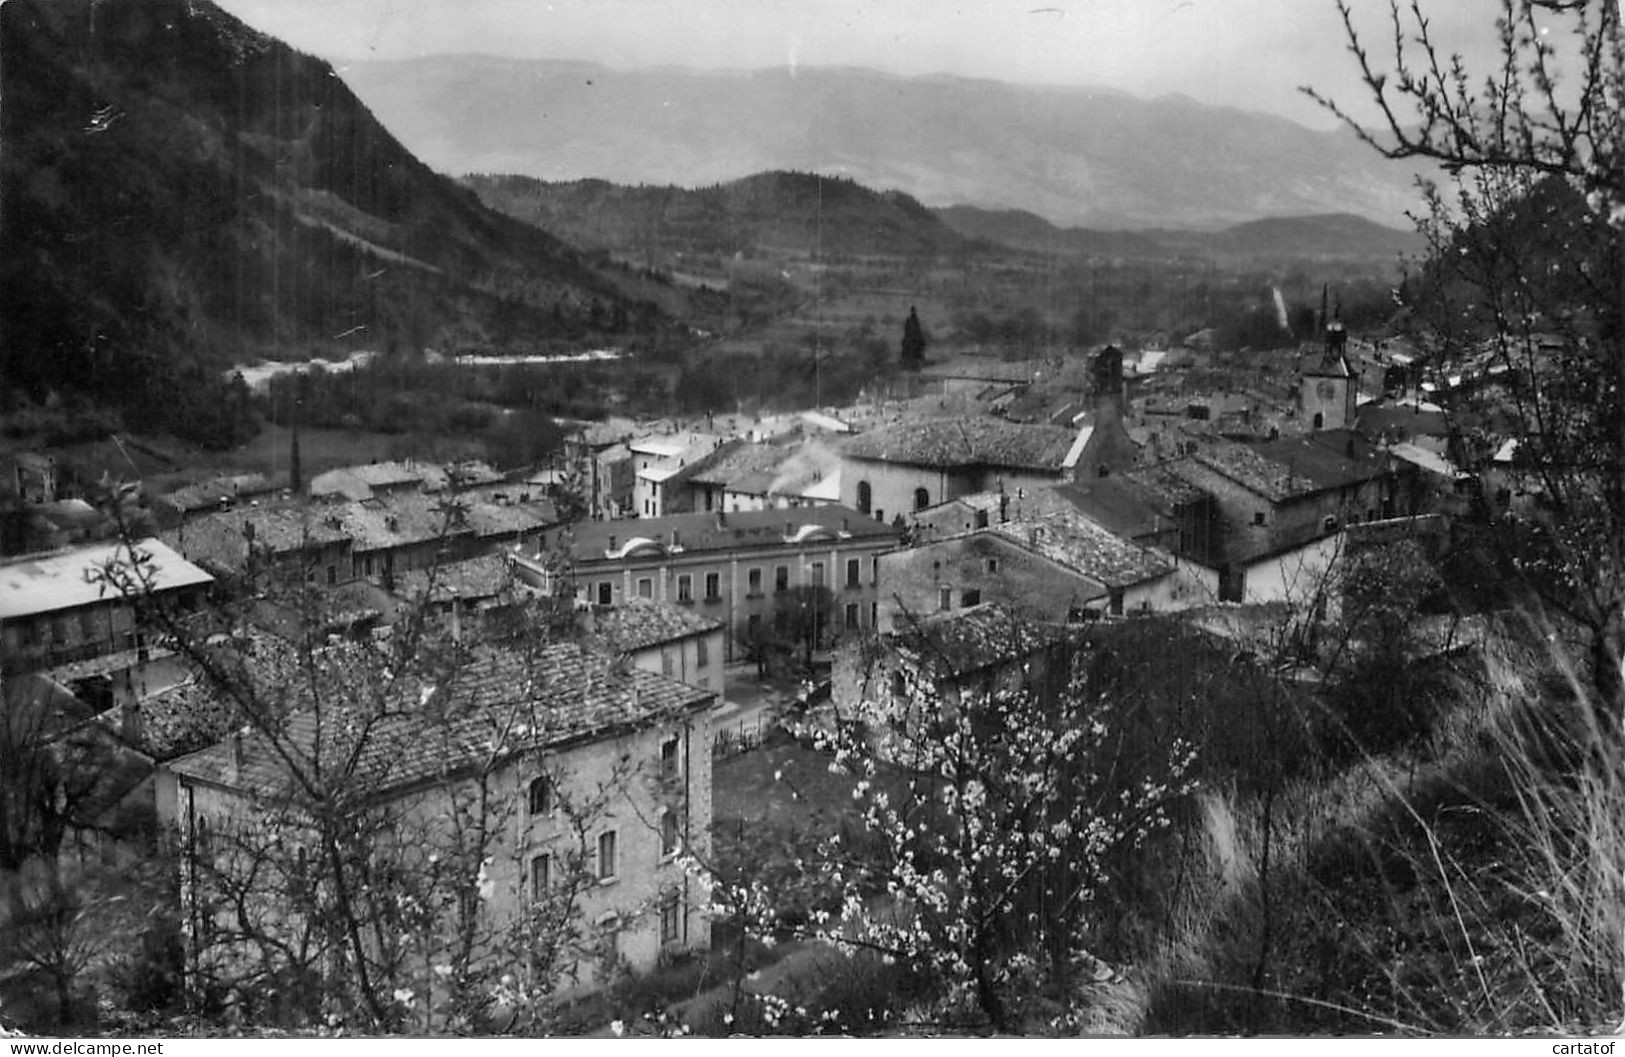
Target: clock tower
1329,384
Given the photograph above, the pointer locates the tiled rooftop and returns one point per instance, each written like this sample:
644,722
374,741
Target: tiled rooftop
967,640
69,579
593,541
207,495
483,577
400,520
181,719
684,447
562,695
1327,459
1248,468
1072,540
486,518
1049,522
221,539
735,460
964,441
1427,460
1160,485
1116,504
357,482
642,623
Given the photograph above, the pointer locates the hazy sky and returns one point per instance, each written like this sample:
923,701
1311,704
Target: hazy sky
1247,53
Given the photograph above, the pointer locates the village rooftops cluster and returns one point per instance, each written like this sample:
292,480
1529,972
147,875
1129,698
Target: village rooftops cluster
502,702
956,442
224,538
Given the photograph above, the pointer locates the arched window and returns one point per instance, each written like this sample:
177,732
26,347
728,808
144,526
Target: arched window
865,497
922,499
541,795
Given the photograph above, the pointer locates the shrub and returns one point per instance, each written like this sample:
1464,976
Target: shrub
150,978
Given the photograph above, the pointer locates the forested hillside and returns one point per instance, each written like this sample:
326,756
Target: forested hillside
182,192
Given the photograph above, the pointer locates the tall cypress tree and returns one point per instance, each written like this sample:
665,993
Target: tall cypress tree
913,351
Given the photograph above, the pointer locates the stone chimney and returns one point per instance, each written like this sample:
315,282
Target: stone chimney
234,760
129,716
676,539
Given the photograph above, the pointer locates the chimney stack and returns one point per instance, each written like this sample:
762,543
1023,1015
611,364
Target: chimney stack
130,721
234,744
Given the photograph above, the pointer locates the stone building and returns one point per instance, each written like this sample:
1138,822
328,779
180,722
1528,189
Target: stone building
1037,552
1282,505
895,470
735,568
669,639
632,744
57,608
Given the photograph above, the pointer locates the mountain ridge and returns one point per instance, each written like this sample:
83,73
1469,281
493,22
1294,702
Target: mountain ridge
1077,156
816,215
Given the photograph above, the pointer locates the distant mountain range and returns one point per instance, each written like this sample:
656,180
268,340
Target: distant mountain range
803,214
1330,235
1094,158
800,214
180,192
